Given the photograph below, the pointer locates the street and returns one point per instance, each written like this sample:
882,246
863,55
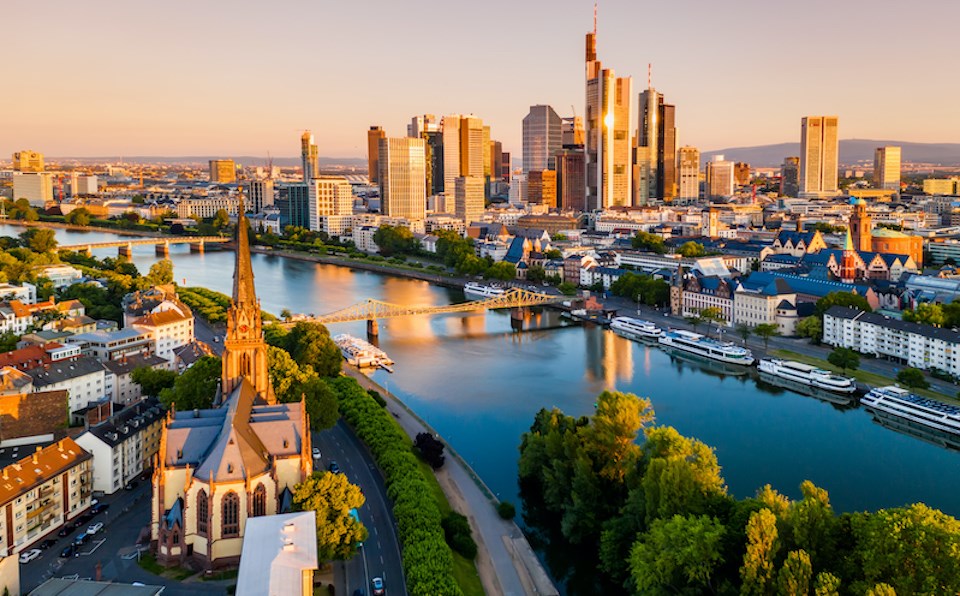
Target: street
380,554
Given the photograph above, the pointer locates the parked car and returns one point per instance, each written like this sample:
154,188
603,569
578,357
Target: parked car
47,543
377,584
359,592
130,485
67,529
68,552
316,453
100,507
30,555
334,468
81,538
94,529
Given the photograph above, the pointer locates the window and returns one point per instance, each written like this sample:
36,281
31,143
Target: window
202,512
259,501
231,514
176,538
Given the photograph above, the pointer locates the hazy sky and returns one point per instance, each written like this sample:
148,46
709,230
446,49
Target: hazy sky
188,77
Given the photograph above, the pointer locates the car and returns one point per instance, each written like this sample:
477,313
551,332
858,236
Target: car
334,468
100,507
377,584
316,453
29,555
87,516
94,529
358,592
68,552
130,485
47,543
81,538
67,529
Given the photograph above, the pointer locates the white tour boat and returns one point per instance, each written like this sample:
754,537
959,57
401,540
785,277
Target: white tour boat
632,328
915,411
807,375
360,353
474,290
694,343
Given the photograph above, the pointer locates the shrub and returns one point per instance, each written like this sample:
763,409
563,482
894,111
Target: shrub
506,510
377,397
431,450
456,529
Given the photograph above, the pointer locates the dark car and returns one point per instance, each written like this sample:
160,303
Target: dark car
81,538
67,529
358,592
99,507
68,552
334,468
87,516
47,543
131,485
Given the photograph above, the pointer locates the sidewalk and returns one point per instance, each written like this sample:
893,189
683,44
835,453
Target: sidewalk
505,562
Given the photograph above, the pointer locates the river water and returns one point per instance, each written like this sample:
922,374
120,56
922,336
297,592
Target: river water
479,384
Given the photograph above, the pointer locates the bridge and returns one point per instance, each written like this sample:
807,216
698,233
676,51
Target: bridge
125,247
372,310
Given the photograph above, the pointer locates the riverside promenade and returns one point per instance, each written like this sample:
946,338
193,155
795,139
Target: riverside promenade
505,561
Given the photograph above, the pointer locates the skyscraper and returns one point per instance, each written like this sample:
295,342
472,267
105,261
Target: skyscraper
373,152
27,161
261,195
571,180
720,182
472,147
689,175
609,171
741,173
330,204
657,132
496,161
223,171
468,198
819,156
451,152
542,138
309,156
402,176
571,132
542,187
790,177
886,168
422,124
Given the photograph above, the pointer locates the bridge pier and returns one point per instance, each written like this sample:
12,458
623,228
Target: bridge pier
373,328
163,250
196,247
125,251
516,318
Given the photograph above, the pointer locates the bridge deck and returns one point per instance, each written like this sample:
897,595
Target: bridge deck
146,242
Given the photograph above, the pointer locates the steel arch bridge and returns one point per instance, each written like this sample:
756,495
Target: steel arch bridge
371,310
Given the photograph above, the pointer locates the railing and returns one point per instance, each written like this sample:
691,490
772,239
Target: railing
146,242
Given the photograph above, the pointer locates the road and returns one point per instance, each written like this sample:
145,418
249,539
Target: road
205,333
380,554
117,540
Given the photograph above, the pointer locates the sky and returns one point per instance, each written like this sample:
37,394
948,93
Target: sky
181,77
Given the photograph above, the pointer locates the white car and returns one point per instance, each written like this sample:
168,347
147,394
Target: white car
30,555
316,453
94,528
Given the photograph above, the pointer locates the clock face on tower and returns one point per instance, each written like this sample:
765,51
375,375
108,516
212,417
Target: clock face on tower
243,328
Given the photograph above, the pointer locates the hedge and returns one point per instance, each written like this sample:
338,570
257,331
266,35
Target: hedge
427,559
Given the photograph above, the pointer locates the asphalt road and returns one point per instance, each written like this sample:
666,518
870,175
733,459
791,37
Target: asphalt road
380,554
204,333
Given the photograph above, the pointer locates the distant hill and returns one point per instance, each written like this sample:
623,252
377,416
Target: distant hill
851,152
246,160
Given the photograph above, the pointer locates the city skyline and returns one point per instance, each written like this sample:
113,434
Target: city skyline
178,83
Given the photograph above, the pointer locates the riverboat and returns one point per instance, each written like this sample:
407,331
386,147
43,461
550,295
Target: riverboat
909,409
807,375
842,401
632,328
703,346
362,354
474,290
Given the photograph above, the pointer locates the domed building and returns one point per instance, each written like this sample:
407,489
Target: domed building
893,242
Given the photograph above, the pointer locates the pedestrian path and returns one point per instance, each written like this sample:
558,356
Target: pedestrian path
505,561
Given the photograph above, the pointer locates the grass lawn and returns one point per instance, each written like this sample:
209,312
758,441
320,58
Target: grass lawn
149,563
871,379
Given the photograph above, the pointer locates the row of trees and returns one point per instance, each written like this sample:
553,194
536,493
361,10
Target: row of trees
661,522
642,288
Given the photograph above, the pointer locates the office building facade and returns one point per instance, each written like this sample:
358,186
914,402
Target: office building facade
223,171
261,195
720,181
688,175
656,155
403,178
571,180
542,138
35,187
309,156
329,197
790,177
28,161
886,168
819,157
468,198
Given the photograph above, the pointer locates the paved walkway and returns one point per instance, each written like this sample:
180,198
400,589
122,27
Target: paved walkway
506,563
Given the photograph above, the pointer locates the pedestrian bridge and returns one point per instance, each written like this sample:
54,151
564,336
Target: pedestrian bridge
125,247
372,310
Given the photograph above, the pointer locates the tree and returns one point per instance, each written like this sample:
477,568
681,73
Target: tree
78,217
811,327
285,314
795,575
744,331
842,299
196,387
712,314
310,343
567,289
682,475
927,313
286,376
827,584
553,254
332,497
695,320
881,589
692,249
845,358
536,274
912,378
321,403
431,450
153,380
221,220
394,240
812,523
503,271
39,239
765,331
610,439
8,341
456,530
650,242
677,554
758,561
160,273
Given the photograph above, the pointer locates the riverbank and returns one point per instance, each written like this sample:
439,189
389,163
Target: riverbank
76,228
505,561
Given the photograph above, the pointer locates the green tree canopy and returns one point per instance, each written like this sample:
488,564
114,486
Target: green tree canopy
758,562
39,239
677,554
811,327
160,273
221,219
912,378
796,574
503,271
332,497
196,387
928,313
536,274
394,240
765,331
153,380
79,217
842,299
641,288
692,249
310,343
649,242
845,358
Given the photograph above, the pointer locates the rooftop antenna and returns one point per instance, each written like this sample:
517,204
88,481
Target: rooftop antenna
649,75
595,18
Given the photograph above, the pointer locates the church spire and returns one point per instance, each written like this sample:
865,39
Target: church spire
243,289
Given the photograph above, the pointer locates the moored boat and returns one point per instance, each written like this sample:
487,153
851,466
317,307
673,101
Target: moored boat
703,346
807,375
632,328
360,353
473,289
912,410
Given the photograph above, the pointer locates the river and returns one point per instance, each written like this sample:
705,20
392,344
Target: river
479,384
